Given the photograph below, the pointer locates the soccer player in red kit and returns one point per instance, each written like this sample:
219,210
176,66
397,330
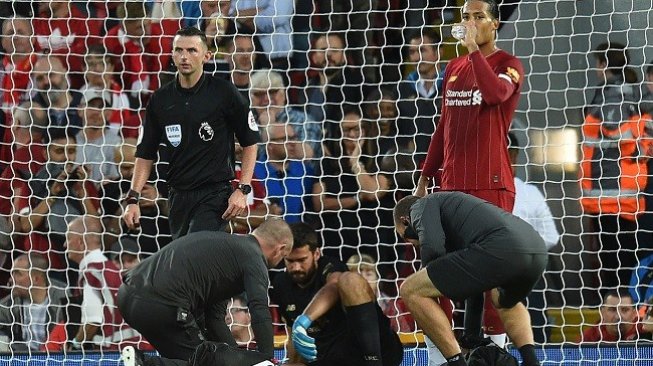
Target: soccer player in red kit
469,148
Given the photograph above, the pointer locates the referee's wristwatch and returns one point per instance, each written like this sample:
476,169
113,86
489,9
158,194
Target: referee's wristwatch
245,188
132,197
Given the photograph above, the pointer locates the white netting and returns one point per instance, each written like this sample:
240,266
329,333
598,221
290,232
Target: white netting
341,78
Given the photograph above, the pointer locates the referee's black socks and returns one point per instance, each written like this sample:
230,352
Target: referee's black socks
528,356
364,322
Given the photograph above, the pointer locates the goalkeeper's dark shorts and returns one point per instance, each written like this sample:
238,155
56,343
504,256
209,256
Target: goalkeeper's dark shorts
468,272
345,351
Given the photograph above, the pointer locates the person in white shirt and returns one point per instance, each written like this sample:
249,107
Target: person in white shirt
102,326
85,250
531,206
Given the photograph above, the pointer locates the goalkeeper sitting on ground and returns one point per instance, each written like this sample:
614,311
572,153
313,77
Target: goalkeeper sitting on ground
333,313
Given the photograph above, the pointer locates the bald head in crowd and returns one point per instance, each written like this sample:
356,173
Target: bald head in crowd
84,235
17,36
29,279
50,81
49,70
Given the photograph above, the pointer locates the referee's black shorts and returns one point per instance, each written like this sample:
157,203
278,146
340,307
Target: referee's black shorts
200,209
464,273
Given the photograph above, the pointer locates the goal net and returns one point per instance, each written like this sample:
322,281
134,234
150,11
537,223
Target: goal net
346,96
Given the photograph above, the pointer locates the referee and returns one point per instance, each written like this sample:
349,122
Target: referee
196,117
469,246
178,297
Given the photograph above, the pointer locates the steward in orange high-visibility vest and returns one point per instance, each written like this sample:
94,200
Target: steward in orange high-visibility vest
615,149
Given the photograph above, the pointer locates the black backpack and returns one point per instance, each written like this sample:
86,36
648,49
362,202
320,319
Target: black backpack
490,355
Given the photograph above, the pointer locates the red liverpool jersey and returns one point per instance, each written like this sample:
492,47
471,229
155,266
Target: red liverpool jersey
470,143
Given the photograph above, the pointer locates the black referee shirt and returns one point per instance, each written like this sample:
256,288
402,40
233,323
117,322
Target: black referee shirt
329,331
197,127
451,221
201,271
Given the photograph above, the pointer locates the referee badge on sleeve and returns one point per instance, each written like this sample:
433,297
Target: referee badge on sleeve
173,132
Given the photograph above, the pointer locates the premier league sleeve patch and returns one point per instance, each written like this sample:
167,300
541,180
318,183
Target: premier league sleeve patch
173,132
206,131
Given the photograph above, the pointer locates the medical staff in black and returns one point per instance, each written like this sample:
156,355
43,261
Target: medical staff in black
206,354
196,117
331,314
469,246
178,297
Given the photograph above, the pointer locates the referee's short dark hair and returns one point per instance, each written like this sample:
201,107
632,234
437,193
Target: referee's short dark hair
193,32
304,235
403,207
492,7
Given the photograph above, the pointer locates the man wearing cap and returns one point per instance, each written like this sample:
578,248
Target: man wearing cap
125,253
97,143
197,118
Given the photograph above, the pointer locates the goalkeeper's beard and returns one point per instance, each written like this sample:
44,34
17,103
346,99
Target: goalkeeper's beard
301,277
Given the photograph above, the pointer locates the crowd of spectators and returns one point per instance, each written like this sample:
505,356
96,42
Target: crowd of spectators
346,107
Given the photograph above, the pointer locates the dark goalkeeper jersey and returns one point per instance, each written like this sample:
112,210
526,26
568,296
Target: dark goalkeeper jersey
480,96
451,221
330,331
197,127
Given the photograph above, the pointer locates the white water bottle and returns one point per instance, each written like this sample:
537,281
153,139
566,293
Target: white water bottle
458,31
